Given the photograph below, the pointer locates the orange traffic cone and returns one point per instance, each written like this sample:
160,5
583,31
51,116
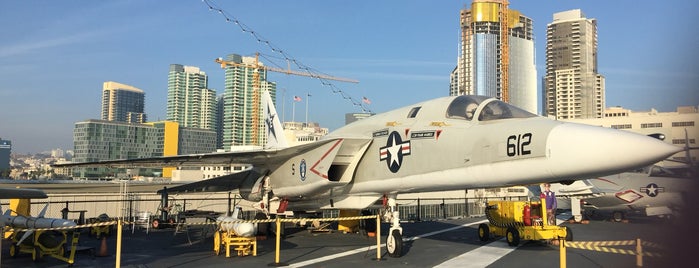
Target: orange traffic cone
103,248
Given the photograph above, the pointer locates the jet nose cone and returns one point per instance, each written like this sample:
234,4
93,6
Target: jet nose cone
597,151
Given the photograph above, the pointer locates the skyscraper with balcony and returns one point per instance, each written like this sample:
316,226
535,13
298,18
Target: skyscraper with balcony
189,100
496,55
572,87
239,97
122,103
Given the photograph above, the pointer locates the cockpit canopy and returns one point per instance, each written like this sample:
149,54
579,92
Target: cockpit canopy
484,108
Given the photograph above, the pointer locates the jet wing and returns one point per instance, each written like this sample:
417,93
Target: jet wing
7,193
219,184
268,158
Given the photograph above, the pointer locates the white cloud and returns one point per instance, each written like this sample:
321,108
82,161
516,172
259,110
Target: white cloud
38,45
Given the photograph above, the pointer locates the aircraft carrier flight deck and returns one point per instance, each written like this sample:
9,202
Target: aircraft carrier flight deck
443,243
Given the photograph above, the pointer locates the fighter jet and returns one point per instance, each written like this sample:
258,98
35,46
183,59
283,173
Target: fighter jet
449,143
653,191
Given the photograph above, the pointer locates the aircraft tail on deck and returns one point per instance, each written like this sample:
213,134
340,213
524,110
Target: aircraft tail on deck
275,131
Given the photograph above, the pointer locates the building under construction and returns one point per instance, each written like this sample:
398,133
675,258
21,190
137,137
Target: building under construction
496,55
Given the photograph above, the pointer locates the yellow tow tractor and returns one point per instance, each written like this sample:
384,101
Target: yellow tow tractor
520,220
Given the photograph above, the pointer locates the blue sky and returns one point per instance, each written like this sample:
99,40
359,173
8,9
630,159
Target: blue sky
55,55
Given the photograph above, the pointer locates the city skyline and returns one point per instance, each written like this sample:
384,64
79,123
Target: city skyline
55,63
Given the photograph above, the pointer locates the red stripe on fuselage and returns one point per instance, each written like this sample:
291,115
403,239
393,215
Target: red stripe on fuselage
313,168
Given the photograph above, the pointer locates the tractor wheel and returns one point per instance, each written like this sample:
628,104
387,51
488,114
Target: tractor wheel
14,250
483,232
617,216
512,236
156,224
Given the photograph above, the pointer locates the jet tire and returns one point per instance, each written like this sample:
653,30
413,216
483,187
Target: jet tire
394,244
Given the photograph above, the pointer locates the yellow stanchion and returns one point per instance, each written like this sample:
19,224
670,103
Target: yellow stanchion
278,241
562,252
378,237
278,244
117,264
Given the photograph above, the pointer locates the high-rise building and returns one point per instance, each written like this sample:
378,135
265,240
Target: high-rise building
572,86
219,121
496,55
96,140
5,150
239,97
189,100
122,103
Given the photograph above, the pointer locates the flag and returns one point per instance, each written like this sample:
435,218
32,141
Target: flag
297,98
365,100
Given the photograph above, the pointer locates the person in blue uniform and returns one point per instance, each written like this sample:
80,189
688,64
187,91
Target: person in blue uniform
551,204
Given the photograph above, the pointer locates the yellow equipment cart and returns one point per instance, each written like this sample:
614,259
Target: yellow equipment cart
45,243
520,220
243,245
99,231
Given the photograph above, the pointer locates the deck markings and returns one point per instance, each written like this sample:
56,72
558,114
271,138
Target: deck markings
480,257
365,249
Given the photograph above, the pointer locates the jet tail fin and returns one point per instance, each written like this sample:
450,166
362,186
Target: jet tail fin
275,131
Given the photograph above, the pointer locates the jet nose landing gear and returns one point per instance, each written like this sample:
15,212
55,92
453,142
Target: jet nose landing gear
394,241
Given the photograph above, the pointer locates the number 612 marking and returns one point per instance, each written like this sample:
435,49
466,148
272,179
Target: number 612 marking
517,144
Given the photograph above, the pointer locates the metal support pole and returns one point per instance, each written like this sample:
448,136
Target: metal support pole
130,209
118,246
278,242
164,204
378,236
562,252
444,209
229,213
418,209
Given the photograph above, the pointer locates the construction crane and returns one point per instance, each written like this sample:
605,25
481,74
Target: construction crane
504,51
256,67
